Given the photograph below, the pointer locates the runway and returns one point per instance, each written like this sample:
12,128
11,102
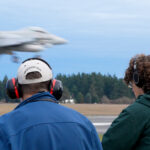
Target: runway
101,123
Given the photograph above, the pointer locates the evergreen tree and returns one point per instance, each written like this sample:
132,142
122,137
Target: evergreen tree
85,88
94,86
80,98
88,98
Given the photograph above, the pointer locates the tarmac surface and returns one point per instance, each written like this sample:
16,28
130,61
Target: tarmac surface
101,123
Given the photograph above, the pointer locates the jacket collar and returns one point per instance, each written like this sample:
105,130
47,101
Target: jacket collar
37,97
144,99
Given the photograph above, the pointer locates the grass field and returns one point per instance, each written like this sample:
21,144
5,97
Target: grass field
6,107
100,136
97,109
86,109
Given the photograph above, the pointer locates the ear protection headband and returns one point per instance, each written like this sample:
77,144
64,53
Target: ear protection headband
34,58
136,77
14,91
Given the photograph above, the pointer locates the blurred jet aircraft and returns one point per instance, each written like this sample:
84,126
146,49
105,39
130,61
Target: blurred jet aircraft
31,39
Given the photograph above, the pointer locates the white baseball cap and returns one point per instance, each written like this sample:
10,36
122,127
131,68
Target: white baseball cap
34,65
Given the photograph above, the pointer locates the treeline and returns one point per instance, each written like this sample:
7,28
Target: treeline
95,88
3,94
87,88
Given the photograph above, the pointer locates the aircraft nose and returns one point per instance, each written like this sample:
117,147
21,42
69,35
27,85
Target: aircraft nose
59,40
56,40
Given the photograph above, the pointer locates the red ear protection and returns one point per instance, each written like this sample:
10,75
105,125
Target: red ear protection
56,88
15,87
14,91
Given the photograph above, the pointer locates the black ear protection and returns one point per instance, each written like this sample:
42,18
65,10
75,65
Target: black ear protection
13,89
136,77
56,88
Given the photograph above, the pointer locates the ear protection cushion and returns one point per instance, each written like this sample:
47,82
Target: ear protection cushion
136,77
12,89
56,88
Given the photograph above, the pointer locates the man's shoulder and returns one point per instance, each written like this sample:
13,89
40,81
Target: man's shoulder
137,111
141,105
41,113
74,115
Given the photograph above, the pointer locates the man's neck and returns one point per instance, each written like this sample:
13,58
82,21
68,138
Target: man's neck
26,96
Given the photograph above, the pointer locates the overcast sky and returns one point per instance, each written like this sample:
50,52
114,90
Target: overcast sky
103,34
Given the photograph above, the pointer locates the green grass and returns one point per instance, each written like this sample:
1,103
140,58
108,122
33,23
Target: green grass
100,136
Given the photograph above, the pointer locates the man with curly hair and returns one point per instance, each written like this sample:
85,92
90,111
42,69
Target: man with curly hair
131,129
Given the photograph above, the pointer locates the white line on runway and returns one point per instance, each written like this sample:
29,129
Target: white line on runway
102,124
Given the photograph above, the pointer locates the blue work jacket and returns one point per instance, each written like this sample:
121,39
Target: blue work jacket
38,124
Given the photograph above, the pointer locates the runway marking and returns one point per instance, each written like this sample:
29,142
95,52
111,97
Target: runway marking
102,124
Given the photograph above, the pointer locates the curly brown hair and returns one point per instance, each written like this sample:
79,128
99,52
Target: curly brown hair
143,69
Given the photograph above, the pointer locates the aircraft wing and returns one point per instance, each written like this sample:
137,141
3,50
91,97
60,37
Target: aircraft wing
5,51
13,40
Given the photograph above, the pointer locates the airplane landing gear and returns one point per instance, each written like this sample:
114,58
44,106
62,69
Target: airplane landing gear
15,59
37,56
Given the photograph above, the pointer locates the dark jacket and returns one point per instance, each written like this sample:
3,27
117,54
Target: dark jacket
131,130
38,124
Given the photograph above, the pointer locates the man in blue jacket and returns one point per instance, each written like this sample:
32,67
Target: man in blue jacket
39,122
